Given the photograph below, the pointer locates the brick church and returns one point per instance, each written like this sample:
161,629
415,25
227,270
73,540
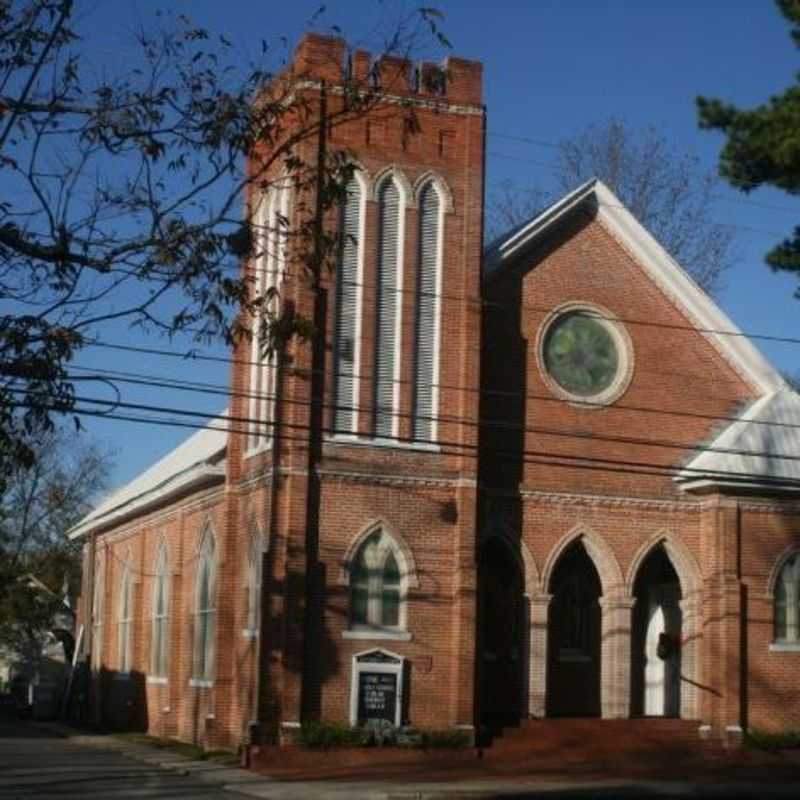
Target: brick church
543,478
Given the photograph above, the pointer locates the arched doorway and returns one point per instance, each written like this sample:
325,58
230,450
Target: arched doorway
502,638
656,639
573,673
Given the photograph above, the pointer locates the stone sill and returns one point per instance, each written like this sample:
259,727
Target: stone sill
784,647
378,634
396,444
200,683
153,679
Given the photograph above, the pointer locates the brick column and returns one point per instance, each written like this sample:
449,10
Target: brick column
537,662
615,656
691,674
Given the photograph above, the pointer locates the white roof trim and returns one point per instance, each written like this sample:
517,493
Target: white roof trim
754,447
716,326
191,465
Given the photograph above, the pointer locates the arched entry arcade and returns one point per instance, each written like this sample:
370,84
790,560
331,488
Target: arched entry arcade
574,636
665,583
502,634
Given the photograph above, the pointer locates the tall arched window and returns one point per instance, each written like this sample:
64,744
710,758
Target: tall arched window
205,611
271,235
97,615
787,602
125,621
426,334
388,309
348,310
376,592
255,560
159,653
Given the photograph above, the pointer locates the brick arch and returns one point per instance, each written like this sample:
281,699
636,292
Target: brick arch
521,555
683,562
403,552
206,531
780,561
401,180
598,550
443,190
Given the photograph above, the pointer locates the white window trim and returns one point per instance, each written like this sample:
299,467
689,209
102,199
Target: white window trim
256,441
382,441
437,320
207,554
253,588
792,642
360,630
398,326
397,669
97,615
161,574
125,622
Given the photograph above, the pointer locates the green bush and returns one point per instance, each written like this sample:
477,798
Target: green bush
331,734
772,742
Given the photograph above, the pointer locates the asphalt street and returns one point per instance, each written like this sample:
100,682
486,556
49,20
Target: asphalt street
38,765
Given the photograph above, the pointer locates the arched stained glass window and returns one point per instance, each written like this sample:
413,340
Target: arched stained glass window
159,647
376,585
125,621
787,602
255,560
205,611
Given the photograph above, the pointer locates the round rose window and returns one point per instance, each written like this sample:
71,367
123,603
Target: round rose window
585,355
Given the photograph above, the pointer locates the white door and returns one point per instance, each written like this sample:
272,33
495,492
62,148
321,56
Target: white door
662,676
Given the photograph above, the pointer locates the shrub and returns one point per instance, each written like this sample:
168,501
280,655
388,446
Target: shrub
331,734
772,742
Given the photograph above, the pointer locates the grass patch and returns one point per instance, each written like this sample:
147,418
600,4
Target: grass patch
772,742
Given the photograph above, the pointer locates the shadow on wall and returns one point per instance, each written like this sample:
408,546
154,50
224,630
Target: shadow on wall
125,701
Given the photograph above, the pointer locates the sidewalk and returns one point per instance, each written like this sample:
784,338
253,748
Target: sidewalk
251,784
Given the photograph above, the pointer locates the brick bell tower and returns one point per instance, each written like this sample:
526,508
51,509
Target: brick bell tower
357,460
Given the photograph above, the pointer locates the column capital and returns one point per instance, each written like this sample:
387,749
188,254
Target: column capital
540,599
617,601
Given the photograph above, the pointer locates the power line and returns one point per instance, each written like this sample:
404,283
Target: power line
544,458
617,406
443,418
254,421
477,300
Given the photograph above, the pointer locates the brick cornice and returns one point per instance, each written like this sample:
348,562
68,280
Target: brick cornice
599,501
771,506
384,479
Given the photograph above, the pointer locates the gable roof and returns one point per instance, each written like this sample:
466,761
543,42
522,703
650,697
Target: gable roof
661,267
762,449
196,462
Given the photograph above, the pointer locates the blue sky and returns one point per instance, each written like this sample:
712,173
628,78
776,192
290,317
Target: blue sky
550,69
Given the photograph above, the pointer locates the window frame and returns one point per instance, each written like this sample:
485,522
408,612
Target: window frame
160,639
790,562
255,571
204,648
125,620
375,548
98,599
